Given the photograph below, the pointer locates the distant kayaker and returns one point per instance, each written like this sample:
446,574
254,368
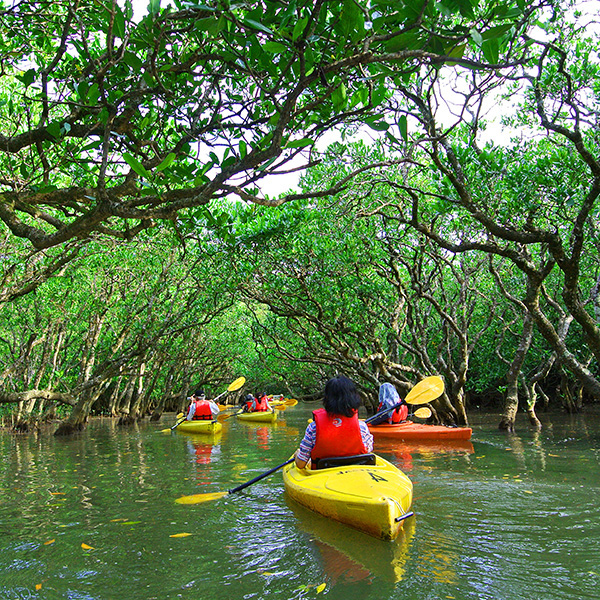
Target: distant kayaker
388,397
201,408
336,429
260,404
246,403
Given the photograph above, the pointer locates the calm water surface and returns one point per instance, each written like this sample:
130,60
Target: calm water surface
93,517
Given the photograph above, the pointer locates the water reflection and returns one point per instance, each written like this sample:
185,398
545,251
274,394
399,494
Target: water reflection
349,555
401,452
204,449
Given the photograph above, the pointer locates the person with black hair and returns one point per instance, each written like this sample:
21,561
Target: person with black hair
335,429
246,402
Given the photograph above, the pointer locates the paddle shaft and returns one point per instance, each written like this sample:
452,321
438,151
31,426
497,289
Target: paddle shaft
383,412
259,477
178,423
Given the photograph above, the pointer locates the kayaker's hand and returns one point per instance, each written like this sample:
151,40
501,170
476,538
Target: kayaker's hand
301,464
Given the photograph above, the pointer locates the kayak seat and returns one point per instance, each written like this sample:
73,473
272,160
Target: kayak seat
342,461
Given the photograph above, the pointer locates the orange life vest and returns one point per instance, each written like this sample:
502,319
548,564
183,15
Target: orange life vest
400,414
202,411
337,435
397,415
261,405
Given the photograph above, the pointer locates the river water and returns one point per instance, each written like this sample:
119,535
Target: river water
93,517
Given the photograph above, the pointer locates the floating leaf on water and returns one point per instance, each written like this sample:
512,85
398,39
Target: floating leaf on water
178,535
321,587
49,542
117,520
131,522
86,547
57,493
527,491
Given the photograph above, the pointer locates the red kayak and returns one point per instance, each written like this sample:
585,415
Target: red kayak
417,431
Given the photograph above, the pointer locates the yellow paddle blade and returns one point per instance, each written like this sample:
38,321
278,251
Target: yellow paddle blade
426,390
199,498
237,384
422,413
290,402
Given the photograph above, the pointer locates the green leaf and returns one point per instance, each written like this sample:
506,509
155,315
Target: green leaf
27,78
491,50
403,125
133,60
299,28
54,129
136,165
154,7
167,162
379,93
300,143
256,25
476,36
496,32
274,47
457,51
339,97
404,41
119,22
376,124
211,25
93,94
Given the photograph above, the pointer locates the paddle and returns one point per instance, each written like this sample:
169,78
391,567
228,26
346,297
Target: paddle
288,403
426,390
422,413
234,385
198,498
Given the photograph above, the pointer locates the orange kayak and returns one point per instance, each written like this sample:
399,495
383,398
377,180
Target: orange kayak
417,431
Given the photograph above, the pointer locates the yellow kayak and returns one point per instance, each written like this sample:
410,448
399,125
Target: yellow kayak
264,416
200,426
372,498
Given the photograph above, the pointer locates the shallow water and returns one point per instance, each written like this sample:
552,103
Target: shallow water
93,517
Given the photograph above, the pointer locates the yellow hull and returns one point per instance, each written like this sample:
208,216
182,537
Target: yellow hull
258,417
211,427
372,499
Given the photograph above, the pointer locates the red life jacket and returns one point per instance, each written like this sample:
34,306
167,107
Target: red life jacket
400,414
397,415
261,405
337,435
202,411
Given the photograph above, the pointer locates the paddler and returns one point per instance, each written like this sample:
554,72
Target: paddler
388,397
201,409
335,430
260,404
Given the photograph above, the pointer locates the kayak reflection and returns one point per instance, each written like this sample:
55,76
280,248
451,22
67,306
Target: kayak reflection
350,555
401,453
